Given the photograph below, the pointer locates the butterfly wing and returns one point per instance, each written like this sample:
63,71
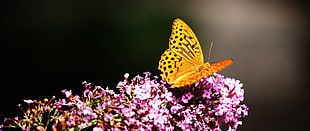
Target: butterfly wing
184,43
173,67
217,67
183,55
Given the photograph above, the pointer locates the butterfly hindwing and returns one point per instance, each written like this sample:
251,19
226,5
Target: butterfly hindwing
174,68
168,65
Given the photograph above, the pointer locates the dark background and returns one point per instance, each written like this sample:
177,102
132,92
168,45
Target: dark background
54,45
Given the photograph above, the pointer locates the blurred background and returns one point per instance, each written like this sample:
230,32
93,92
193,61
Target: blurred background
56,45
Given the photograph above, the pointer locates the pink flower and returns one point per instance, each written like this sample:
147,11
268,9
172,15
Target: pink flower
28,101
147,104
97,129
67,93
128,112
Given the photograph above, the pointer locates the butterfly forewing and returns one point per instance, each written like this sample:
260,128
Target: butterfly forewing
219,66
184,42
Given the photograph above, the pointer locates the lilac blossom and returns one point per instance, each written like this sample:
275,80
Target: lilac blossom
143,103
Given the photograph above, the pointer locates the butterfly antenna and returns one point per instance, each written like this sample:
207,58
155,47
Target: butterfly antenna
210,52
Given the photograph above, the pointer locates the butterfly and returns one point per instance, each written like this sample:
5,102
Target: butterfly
183,64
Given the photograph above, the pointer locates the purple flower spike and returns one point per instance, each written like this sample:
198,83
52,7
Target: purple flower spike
142,104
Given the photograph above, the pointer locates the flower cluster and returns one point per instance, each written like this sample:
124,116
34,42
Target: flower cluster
209,103
34,116
141,104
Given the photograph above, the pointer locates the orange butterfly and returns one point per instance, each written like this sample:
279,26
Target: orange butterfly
183,64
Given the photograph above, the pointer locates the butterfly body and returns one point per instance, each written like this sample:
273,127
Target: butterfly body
183,64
